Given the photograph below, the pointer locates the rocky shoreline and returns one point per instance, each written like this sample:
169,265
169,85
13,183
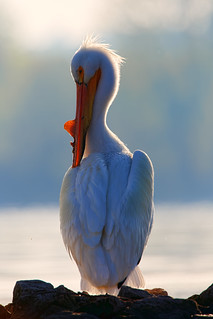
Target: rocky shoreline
36,299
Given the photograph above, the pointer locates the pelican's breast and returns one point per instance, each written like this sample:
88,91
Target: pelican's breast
90,200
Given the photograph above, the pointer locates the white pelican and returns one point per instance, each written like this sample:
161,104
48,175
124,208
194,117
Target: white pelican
106,200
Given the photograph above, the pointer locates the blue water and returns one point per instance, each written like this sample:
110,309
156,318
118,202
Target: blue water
178,258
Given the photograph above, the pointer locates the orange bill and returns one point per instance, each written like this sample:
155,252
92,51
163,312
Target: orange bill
84,106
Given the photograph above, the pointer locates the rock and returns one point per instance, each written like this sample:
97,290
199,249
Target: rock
157,292
106,306
131,293
206,297
164,307
202,316
4,314
205,300
36,299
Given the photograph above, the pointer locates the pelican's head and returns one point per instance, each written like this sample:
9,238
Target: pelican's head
96,72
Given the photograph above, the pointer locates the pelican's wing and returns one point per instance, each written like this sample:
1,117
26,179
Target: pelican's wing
138,200
83,213
132,219
90,194
84,199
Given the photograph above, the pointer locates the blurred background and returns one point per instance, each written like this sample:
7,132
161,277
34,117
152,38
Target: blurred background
164,105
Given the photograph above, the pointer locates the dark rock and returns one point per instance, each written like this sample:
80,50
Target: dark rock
202,316
105,306
132,293
70,315
38,299
4,314
35,299
164,307
9,308
205,300
206,297
157,292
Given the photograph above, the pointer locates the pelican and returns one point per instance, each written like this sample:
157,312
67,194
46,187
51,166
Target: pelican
106,199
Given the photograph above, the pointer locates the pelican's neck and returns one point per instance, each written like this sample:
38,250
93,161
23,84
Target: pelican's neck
100,139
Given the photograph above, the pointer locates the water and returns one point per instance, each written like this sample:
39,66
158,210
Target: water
178,257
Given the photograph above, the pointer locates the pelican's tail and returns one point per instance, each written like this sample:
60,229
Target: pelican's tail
88,287
135,279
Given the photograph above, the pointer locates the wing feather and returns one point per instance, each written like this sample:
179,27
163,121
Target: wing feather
92,199
83,214
137,205
129,220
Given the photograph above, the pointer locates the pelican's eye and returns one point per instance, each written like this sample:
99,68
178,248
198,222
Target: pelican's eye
80,73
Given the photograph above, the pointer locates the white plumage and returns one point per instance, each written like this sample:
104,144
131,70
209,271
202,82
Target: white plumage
106,201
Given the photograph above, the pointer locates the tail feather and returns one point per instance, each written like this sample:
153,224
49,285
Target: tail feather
92,290
135,279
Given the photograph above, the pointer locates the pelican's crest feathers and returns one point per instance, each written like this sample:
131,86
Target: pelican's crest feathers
95,42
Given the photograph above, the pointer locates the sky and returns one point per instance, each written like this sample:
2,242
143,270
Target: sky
40,24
